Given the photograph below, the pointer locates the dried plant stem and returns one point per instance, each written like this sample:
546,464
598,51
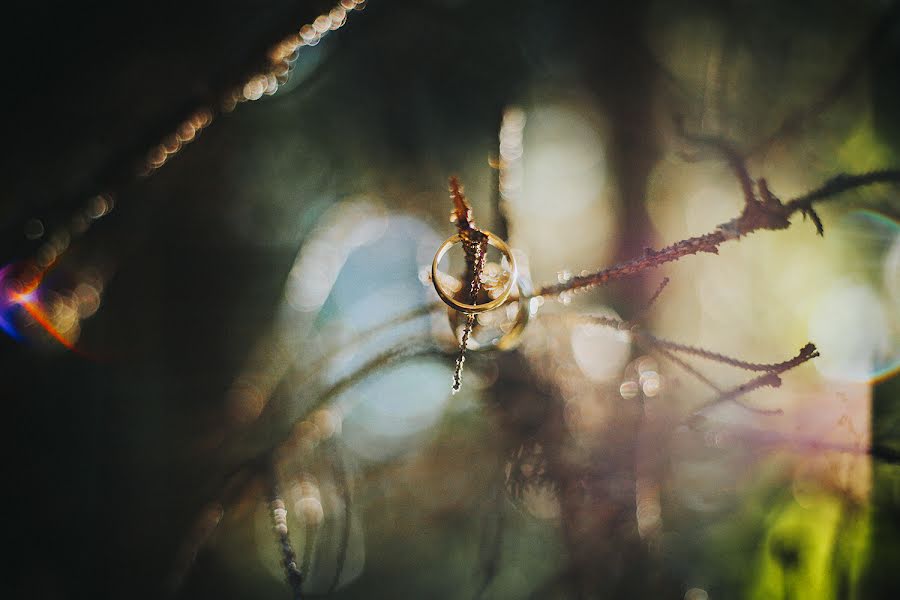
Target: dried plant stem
309,546
760,437
491,543
649,303
461,356
399,353
475,246
204,527
339,471
474,289
725,150
266,70
363,336
651,259
244,471
293,573
766,212
770,378
684,365
239,478
716,357
854,68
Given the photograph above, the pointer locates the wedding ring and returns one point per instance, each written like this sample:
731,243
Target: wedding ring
510,339
507,335
471,309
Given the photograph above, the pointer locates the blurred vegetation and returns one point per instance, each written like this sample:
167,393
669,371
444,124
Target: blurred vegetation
119,447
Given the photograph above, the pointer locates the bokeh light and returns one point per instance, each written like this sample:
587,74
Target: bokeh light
856,320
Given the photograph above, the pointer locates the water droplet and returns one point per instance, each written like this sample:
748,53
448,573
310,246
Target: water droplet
645,364
696,594
34,229
629,390
651,385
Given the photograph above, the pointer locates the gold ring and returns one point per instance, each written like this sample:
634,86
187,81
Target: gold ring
505,339
510,339
471,309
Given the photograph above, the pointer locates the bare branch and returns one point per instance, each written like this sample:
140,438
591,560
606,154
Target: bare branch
758,437
769,379
293,573
642,311
728,152
680,363
474,289
721,358
461,215
339,470
766,213
854,68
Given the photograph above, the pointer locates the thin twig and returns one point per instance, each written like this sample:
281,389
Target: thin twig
720,358
240,477
682,364
293,573
760,437
769,379
475,246
723,148
339,471
309,547
645,308
854,68
768,213
264,72
474,289
491,539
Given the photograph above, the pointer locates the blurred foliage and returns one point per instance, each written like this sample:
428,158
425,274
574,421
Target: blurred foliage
120,452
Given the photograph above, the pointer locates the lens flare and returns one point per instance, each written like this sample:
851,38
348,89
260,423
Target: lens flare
856,323
15,294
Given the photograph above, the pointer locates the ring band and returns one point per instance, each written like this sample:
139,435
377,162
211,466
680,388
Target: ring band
471,309
509,338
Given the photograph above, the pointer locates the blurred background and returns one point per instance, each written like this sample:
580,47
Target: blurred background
184,312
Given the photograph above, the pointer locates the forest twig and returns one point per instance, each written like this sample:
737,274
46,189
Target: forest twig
720,358
293,573
769,379
726,150
645,308
475,246
684,365
854,68
339,471
878,452
256,76
474,289
767,212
